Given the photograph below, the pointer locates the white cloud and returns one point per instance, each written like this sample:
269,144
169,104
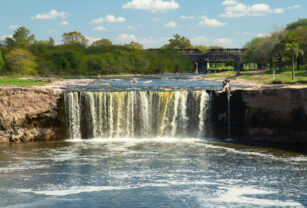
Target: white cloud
294,7
199,40
156,19
226,41
130,27
229,2
124,38
64,23
262,35
91,40
171,25
50,15
240,10
5,36
108,19
211,22
187,17
150,42
247,33
99,28
151,5
13,26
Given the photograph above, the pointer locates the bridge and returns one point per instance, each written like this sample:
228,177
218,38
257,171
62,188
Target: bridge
202,60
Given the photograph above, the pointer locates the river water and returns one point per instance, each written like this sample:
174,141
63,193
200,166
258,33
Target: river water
157,172
149,158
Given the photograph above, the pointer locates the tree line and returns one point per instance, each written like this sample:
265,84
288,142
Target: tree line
22,54
287,47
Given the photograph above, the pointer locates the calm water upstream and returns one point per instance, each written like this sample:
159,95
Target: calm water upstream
147,147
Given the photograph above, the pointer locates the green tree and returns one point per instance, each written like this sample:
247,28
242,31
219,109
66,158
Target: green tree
68,60
102,42
21,38
74,38
51,42
21,62
256,52
178,42
202,48
1,61
298,23
295,51
291,45
134,45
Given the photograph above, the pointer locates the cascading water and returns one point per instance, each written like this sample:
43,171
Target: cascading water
228,114
136,114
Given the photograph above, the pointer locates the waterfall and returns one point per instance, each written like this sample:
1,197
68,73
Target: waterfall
228,114
72,114
136,114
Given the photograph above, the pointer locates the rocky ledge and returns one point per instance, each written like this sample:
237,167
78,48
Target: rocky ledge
269,114
28,114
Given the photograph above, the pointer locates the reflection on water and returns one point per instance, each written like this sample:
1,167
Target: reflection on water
157,172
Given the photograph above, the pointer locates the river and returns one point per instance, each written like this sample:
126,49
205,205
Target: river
151,157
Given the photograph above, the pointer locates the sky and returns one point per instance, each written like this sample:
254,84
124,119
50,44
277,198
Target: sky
228,23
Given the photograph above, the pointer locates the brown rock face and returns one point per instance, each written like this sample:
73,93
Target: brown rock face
31,114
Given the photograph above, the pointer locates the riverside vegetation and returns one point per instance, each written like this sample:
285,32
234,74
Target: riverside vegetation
282,51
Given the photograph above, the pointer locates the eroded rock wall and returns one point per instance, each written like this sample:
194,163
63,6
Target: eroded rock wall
272,114
31,114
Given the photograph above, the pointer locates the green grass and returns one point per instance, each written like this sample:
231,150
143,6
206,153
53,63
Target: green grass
21,82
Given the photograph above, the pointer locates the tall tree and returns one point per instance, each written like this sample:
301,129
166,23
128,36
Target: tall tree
295,51
74,38
1,61
291,45
21,62
178,42
21,38
101,43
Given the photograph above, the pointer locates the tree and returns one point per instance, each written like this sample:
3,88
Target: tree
291,45
51,42
21,38
21,62
178,42
256,52
1,61
202,48
134,45
298,23
102,42
74,38
295,51
69,60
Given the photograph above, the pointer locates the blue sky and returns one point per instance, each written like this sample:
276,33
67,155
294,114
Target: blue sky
229,23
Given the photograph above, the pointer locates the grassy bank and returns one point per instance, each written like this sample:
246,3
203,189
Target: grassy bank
21,82
266,76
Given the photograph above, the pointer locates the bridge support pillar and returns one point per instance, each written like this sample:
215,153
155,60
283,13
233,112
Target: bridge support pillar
196,67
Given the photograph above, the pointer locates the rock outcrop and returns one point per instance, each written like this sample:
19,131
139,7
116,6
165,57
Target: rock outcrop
31,114
271,114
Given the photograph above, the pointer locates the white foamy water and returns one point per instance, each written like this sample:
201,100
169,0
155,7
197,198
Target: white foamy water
244,195
136,114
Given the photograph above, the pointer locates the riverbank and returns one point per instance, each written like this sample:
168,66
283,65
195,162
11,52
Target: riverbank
31,114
